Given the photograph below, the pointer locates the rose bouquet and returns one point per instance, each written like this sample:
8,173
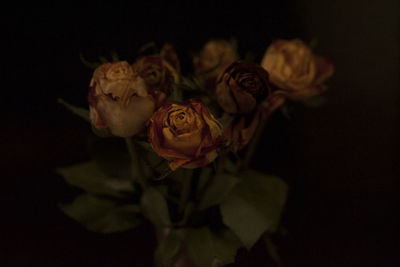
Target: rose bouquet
175,150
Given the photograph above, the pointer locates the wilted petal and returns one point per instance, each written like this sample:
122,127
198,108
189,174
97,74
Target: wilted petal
125,121
184,133
242,87
294,68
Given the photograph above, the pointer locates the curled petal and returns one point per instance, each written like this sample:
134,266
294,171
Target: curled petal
125,121
184,133
242,87
158,74
119,101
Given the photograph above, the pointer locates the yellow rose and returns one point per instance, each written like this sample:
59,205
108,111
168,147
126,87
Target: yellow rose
186,134
119,101
213,59
294,69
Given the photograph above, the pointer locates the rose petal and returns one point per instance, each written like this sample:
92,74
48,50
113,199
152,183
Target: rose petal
175,164
246,102
225,99
193,143
123,120
96,119
292,67
200,162
185,143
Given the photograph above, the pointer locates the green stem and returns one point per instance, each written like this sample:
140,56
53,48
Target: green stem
186,186
221,163
186,214
137,171
253,144
274,103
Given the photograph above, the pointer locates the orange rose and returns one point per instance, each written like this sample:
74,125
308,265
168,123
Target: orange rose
186,134
213,59
294,69
119,101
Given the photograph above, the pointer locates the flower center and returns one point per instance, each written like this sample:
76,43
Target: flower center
182,121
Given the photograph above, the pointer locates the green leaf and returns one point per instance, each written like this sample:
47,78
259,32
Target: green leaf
230,166
234,43
176,94
204,178
226,120
200,246
90,65
168,250
89,177
249,57
103,59
149,48
207,248
102,215
155,207
219,188
101,132
114,56
145,145
225,246
254,206
190,84
151,158
112,157
81,112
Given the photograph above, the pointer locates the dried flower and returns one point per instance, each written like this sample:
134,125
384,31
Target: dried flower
187,134
213,59
119,101
294,69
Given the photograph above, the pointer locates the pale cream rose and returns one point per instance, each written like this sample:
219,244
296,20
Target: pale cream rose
294,69
119,101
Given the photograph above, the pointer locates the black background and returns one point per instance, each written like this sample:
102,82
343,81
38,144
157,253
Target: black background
340,160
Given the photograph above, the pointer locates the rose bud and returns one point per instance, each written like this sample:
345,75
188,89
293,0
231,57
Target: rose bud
293,68
186,134
242,87
118,100
168,53
213,59
157,73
